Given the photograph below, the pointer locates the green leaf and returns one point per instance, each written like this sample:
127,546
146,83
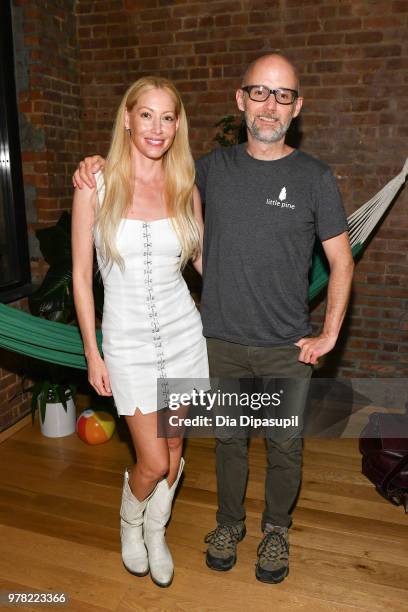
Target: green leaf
63,399
72,391
54,298
43,406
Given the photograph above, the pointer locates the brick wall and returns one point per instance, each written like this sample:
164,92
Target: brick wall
353,58
13,404
47,83
78,58
49,105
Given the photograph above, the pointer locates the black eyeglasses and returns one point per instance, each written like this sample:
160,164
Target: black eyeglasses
260,93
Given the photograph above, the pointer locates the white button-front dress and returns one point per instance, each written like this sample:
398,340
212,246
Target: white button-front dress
152,331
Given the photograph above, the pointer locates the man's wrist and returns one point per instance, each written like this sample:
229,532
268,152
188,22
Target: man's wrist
332,337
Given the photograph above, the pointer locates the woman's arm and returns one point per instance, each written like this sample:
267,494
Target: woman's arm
198,214
83,216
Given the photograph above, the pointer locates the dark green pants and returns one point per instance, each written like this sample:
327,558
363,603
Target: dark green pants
284,448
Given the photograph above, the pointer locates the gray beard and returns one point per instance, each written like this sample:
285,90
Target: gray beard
274,136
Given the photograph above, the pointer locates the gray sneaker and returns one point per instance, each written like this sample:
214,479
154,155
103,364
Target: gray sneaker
273,555
222,546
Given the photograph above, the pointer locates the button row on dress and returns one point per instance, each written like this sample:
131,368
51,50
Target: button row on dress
151,308
165,392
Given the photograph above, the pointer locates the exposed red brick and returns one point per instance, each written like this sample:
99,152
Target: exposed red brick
334,25
361,38
299,27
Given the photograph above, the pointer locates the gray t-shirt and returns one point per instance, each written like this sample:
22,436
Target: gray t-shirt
261,222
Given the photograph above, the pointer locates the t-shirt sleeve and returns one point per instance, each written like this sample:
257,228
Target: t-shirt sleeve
202,166
331,218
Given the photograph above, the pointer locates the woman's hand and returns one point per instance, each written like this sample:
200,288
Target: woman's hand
98,375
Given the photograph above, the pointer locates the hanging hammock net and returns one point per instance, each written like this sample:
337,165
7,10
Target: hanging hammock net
62,344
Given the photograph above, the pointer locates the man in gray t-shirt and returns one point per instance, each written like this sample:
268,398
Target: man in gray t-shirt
265,204
261,221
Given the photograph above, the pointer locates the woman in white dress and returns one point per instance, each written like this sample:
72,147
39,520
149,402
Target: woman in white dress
145,220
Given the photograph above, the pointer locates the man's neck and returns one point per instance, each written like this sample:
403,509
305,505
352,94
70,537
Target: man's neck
271,151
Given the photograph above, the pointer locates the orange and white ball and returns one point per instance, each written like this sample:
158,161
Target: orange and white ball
95,427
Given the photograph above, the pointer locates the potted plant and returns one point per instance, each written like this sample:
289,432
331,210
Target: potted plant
57,412
232,131
55,400
54,297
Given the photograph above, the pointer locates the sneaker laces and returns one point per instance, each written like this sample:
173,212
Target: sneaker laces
223,536
274,546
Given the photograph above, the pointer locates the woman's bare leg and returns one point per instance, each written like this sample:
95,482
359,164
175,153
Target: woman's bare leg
152,454
175,446
175,441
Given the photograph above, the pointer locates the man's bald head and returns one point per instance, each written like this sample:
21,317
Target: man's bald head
268,119
270,62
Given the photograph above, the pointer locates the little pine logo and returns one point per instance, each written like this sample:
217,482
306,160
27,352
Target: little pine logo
281,202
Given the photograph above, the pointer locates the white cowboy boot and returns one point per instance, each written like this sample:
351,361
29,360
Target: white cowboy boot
134,554
156,516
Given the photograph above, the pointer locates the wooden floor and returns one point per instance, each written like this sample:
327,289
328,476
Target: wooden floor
59,531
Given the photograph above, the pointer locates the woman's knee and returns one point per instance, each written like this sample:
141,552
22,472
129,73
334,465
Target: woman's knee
154,470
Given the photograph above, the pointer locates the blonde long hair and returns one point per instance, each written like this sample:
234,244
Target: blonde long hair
179,176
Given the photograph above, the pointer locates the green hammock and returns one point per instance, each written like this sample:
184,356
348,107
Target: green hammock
62,344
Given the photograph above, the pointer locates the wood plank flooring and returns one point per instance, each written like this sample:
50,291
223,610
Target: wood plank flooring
59,522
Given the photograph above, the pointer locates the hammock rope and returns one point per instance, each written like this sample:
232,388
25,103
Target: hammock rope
61,344
363,221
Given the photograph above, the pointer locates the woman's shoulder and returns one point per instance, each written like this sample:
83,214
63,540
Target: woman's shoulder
100,181
100,186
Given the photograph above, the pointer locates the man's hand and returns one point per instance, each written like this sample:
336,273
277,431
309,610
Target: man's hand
313,348
338,253
86,171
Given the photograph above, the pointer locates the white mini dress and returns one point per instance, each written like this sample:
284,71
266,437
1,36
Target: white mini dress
152,333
